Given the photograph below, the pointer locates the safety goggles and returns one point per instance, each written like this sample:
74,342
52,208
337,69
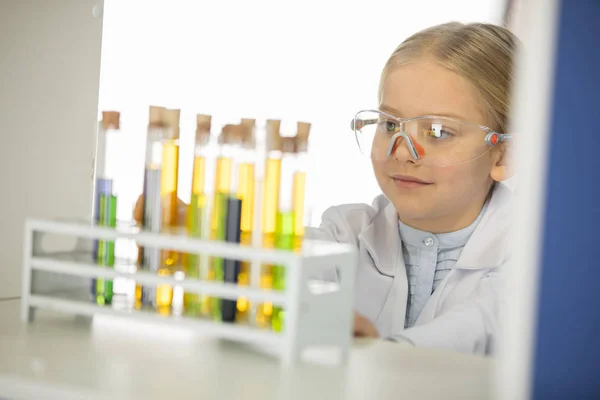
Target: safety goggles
430,140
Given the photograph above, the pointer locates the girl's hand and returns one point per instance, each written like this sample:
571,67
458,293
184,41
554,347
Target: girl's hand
363,327
138,211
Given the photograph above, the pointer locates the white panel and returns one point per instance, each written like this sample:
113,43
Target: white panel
49,77
531,123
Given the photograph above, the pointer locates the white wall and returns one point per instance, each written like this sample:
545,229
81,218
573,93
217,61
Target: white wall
49,75
304,60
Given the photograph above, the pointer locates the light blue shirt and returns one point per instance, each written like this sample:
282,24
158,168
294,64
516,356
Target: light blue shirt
429,258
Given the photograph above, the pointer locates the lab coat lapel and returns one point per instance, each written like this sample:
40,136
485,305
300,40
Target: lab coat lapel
488,245
382,241
486,248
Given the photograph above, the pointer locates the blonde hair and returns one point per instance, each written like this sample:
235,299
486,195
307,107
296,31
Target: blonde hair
481,53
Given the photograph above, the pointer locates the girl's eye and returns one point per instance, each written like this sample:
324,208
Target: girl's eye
437,131
390,126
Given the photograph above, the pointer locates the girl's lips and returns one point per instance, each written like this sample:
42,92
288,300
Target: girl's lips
409,182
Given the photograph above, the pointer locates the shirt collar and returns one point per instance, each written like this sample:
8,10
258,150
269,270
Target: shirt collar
418,238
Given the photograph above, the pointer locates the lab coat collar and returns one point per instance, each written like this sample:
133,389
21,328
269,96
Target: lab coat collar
381,237
486,247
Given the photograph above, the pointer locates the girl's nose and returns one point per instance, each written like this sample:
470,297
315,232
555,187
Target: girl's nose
406,148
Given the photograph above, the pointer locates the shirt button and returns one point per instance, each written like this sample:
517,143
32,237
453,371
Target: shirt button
428,242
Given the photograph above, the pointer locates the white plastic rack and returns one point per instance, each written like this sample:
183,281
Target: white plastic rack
318,312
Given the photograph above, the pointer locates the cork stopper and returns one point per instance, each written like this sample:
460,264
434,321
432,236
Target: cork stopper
203,123
274,139
302,136
248,122
223,136
236,134
171,121
155,119
248,139
288,144
111,119
231,134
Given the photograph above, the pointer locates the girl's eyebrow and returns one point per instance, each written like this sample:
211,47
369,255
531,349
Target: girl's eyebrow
397,113
390,110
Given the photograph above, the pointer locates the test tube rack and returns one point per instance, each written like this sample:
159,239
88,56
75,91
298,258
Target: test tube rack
318,312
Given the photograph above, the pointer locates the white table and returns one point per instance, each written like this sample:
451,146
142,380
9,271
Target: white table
61,357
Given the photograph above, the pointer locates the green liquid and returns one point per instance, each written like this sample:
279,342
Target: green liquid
218,263
284,240
191,301
106,249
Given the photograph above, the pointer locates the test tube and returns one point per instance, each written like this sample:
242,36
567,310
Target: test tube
256,313
105,199
170,260
212,305
150,257
300,182
270,202
197,212
272,178
284,234
246,192
231,267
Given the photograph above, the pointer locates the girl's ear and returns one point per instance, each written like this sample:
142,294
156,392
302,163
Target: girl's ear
501,169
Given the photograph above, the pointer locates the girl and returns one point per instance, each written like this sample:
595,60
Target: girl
431,246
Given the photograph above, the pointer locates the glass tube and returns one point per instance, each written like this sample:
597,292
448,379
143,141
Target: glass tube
210,305
152,216
105,199
270,202
170,211
246,193
300,180
272,178
233,219
284,234
197,212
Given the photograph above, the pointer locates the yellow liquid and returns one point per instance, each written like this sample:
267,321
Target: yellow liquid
222,186
194,221
298,202
246,194
168,192
198,179
271,195
243,305
270,204
264,311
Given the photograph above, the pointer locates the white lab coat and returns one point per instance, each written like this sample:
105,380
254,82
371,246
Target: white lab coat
462,314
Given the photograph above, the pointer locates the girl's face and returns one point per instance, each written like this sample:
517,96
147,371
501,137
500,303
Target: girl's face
445,199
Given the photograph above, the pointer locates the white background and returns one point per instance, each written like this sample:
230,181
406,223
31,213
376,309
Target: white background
315,61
